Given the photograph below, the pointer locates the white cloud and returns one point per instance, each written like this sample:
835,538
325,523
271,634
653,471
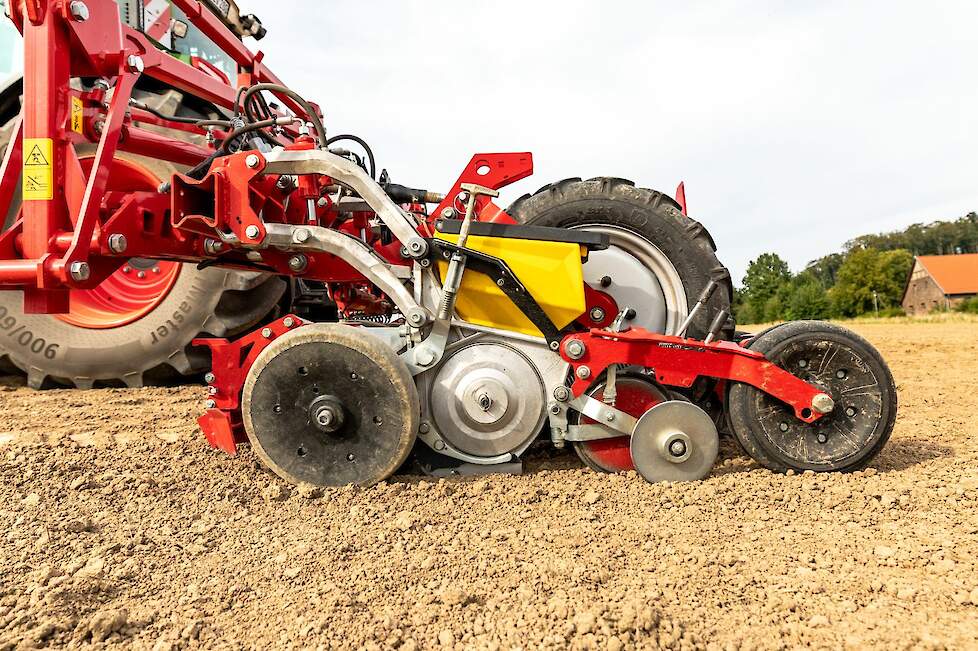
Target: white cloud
796,126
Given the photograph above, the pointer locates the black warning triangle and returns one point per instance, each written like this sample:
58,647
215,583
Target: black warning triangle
36,157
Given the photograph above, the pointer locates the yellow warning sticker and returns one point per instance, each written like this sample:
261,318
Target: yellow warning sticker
77,114
38,169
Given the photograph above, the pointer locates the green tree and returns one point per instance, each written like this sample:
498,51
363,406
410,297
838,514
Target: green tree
866,272
764,279
807,298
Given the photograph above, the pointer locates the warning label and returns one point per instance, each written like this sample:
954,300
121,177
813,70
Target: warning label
77,114
38,169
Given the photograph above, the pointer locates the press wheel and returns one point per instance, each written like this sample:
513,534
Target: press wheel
330,405
674,441
843,365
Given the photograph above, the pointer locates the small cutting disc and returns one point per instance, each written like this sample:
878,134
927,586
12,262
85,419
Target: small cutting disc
674,441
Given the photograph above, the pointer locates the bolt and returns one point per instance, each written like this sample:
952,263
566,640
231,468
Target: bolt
135,63
266,333
301,235
841,374
209,378
252,232
583,372
212,391
448,213
424,428
821,438
605,281
163,187
850,412
405,253
127,269
212,247
677,448
117,243
324,417
288,322
783,427
554,409
485,402
823,403
141,274
210,404
562,394
425,357
803,363
322,202
80,271
597,314
417,317
298,263
99,125
350,457
79,11
252,161
575,349
501,282
416,246
156,270
609,416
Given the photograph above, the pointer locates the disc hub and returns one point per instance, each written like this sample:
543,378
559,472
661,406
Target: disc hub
326,413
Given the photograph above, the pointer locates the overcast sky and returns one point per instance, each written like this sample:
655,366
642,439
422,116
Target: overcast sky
795,125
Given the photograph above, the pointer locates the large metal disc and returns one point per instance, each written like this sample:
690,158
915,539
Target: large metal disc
331,405
674,441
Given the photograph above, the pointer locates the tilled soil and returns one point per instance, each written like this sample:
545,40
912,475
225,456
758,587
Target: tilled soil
121,528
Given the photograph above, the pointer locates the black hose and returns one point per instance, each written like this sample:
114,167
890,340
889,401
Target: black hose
306,106
360,141
252,126
180,119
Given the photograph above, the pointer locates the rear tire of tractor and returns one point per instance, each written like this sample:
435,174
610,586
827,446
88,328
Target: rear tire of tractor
677,250
154,348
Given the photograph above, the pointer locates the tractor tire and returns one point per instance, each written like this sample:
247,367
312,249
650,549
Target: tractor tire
644,225
147,340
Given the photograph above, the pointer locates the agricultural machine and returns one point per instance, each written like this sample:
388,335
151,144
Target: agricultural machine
172,204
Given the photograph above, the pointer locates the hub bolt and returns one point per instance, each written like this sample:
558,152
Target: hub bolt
80,271
298,263
561,394
79,11
583,372
575,349
823,403
209,378
118,243
210,404
677,448
252,232
288,322
821,438
597,314
252,161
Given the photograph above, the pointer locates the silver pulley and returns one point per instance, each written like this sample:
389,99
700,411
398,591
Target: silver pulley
674,441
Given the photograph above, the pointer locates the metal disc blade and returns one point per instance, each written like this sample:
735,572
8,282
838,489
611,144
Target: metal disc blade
674,441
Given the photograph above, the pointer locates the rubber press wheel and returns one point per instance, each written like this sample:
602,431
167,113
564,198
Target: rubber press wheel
843,365
659,259
137,325
330,404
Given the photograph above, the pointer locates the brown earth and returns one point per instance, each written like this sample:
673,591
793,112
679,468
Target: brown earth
121,528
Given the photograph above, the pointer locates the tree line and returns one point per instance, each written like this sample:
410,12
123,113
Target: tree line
866,277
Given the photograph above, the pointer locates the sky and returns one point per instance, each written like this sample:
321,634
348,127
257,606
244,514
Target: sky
794,125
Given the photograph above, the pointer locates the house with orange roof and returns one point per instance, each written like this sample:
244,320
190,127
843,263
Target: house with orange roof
940,282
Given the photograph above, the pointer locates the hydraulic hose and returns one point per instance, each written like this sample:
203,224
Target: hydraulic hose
360,141
306,106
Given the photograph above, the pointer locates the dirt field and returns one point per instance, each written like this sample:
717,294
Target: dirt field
121,528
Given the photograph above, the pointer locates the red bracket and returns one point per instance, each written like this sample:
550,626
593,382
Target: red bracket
230,363
679,362
492,171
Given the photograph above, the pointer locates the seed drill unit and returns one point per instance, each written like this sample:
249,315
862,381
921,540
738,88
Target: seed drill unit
592,313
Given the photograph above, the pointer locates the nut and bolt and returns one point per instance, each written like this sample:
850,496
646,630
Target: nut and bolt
561,394
583,372
424,428
425,357
821,438
597,314
575,349
850,412
448,213
163,187
212,247
298,263
288,322
301,235
252,232
252,161
79,11
118,243
609,416
135,63
209,378
823,403
210,404
80,271
266,333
